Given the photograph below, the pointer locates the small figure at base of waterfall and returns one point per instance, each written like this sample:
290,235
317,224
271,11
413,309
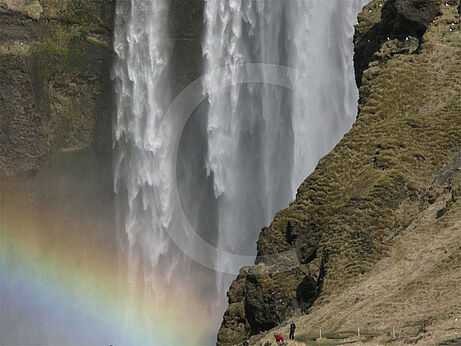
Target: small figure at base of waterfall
292,330
279,338
246,343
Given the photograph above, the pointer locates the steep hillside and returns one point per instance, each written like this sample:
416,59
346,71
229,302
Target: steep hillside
410,296
360,208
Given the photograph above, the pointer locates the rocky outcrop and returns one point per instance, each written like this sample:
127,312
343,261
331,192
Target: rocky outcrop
375,182
382,21
387,28
55,59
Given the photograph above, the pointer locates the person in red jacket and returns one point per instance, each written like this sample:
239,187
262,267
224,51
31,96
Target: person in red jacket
279,338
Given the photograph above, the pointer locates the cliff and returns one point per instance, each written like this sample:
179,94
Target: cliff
364,214
55,75
55,59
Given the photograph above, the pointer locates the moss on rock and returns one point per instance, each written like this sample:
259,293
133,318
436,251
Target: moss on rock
58,82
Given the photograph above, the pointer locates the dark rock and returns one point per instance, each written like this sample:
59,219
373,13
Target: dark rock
441,212
269,298
307,292
186,30
290,234
57,91
234,327
23,143
419,158
18,27
260,309
55,77
400,19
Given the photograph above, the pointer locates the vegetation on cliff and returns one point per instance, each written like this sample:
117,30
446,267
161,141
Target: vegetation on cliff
55,72
362,198
55,60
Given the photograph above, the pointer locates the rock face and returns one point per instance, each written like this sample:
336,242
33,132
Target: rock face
376,181
55,59
55,75
390,27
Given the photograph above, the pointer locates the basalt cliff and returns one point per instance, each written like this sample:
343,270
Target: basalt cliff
376,228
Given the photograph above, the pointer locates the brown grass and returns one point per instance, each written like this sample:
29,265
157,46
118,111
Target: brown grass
391,262
415,290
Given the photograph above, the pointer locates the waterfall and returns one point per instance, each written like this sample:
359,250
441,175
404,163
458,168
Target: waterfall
325,98
263,140
141,180
141,163
244,150
249,130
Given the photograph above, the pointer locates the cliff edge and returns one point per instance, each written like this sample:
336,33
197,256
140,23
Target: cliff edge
393,178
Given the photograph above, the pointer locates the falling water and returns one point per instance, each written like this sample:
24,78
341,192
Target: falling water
141,173
263,140
242,153
141,181
249,130
325,98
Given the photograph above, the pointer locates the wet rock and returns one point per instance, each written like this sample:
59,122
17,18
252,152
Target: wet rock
55,77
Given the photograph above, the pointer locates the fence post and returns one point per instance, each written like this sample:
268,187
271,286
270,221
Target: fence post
393,332
358,332
320,333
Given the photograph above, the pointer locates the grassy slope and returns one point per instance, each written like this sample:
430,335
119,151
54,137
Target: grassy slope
408,130
415,290
360,202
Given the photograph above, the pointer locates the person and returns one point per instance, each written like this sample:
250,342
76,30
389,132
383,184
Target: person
292,330
246,343
278,338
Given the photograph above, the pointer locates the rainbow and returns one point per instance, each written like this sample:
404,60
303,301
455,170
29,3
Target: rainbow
57,287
